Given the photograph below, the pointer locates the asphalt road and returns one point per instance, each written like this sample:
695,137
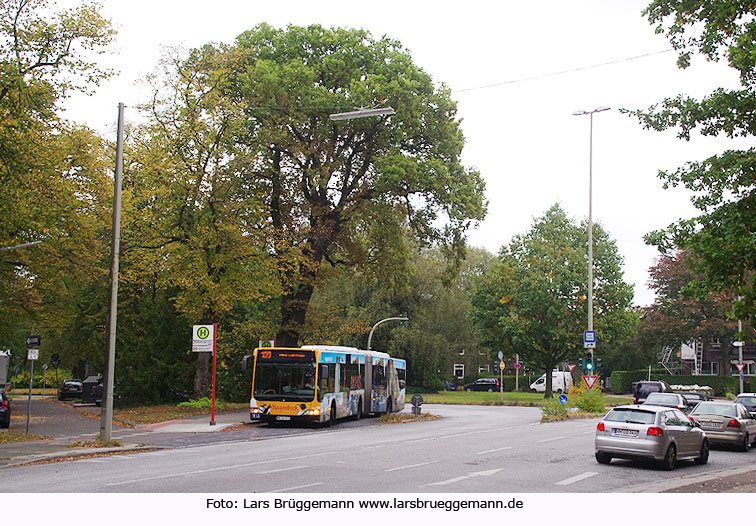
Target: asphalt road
470,449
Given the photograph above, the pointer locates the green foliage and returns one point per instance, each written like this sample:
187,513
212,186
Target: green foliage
719,241
202,403
587,400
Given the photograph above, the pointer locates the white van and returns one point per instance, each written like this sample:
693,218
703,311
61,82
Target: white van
561,382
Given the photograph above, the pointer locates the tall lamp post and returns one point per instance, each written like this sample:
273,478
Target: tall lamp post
401,318
590,221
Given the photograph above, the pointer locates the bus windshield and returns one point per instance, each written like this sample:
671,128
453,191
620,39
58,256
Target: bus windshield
285,381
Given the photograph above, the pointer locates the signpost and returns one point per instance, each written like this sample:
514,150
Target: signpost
590,381
32,355
203,340
501,377
589,339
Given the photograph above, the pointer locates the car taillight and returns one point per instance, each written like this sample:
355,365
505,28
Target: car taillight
3,404
733,423
600,427
635,399
678,408
655,431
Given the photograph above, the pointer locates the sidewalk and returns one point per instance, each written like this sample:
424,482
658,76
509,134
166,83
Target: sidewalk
17,453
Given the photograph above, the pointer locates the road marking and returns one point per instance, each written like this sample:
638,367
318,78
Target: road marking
211,470
494,450
410,466
550,439
464,477
576,478
294,487
592,431
279,470
93,460
374,447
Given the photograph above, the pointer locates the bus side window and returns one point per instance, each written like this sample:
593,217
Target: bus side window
322,381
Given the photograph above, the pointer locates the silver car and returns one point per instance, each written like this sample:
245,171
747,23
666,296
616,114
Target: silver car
648,432
726,423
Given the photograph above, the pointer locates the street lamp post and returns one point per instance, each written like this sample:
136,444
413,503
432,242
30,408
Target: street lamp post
403,317
362,112
590,220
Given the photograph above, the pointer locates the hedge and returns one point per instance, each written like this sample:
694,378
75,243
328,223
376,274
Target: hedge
509,381
621,381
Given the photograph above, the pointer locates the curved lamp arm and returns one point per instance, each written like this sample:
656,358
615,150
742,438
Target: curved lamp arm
370,336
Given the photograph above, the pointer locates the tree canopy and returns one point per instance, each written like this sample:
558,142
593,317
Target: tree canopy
533,301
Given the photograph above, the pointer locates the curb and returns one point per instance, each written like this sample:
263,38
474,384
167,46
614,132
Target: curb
78,453
670,484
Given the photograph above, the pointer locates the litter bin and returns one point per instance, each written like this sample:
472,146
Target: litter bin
88,384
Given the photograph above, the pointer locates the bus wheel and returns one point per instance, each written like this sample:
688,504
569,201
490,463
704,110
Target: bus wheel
332,416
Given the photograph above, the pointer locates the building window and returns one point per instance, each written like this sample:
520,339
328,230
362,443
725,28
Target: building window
748,370
710,368
484,369
459,370
715,340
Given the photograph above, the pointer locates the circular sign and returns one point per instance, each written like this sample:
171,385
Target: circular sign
517,365
563,399
203,333
416,400
501,365
501,355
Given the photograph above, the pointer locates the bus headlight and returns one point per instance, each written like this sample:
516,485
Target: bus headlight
312,412
255,411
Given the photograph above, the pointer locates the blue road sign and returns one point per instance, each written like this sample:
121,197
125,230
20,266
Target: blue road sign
563,399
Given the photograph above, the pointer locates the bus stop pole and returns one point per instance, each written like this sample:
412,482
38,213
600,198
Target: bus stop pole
212,403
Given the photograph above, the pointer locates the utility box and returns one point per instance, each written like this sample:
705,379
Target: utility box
88,384
5,357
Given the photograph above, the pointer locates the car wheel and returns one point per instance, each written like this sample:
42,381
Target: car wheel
533,391
670,459
746,443
603,458
490,390
559,391
703,458
468,389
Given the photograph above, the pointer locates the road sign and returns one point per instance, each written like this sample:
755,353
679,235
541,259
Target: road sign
501,355
517,365
32,341
266,343
738,344
563,399
570,367
501,365
589,339
202,338
590,381
740,367
32,354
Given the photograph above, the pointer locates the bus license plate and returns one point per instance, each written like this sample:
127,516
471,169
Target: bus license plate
283,418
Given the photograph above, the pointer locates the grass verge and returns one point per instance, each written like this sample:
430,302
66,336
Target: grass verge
96,443
162,413
403,418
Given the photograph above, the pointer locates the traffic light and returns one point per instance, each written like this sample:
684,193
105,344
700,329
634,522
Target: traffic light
582,363
598,363
588,362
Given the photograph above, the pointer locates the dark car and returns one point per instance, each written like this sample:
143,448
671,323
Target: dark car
693,398
642,389
483,384
5,411
70,389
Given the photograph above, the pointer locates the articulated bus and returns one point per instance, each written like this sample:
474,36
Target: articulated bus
321,383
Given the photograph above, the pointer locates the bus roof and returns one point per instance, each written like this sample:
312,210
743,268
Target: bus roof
350,350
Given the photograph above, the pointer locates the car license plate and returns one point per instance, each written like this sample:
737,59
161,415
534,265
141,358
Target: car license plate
283,418
255,415
624,432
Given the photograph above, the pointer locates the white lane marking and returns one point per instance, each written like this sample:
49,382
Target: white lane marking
410,466
374,447
494,450
279,470
93,460
592,431
550,439
222,468
577,478
464,477
294,487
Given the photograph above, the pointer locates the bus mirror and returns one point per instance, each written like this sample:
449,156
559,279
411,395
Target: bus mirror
245,362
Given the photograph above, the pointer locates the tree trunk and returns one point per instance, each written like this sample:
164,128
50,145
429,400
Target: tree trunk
294,310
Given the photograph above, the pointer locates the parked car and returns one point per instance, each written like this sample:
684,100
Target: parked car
693,398
675,400
748,400
5,411
649,432
70,389
483,384
642,389
726,423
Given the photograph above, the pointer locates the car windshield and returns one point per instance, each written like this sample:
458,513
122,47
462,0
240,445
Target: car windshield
693,396
631,416
748,400
662,398
707,408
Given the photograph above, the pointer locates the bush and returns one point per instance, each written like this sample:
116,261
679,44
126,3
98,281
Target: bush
553,410
202,403
588,401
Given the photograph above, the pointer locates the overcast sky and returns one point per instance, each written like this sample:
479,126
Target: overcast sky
521,134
